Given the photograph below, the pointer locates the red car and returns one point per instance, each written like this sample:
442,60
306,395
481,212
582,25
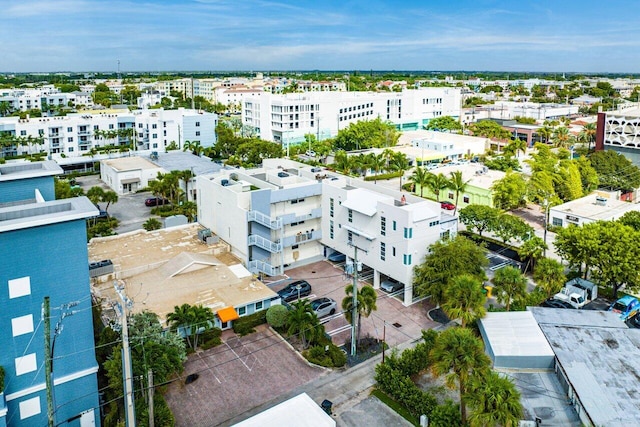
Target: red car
447,205
155,201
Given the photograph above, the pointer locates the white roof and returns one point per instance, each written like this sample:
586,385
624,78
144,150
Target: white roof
299,411
515,333
364,201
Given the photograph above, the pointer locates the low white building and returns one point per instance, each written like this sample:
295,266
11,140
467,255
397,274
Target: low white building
598,206
128,174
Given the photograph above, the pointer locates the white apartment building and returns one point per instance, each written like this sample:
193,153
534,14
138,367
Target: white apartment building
74,135
287,118
287,214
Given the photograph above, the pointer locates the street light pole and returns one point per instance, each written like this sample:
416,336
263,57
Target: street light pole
298,287
546,225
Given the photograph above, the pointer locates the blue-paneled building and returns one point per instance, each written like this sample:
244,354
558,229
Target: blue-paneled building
43,253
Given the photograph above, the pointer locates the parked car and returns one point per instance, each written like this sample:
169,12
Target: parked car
337,257
626,307
391,285
447,205
155,201
291,291
324,306
554,303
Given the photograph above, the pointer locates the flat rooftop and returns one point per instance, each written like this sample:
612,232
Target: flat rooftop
29,215
600,357
130,163
476,174
586,207
26,170
515,333
180,160
170,267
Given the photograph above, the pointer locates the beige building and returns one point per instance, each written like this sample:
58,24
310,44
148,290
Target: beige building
166,268
128,174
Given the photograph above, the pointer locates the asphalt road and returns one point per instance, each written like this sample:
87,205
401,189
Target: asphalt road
129,210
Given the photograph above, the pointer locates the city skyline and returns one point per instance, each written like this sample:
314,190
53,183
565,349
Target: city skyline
89,35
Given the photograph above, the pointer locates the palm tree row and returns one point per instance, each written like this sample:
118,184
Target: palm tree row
192,321
436,183
388,160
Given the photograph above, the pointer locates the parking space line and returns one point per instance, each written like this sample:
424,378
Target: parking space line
338,330
211,369
238,357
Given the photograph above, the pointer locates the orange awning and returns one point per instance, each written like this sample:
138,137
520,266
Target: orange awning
227,314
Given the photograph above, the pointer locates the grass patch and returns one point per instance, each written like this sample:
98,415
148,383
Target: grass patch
398,408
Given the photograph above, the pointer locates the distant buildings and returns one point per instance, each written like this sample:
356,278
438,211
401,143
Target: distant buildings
288,118
43,253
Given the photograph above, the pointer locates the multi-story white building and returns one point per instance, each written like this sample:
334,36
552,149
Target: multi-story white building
287,214
287,118
76,134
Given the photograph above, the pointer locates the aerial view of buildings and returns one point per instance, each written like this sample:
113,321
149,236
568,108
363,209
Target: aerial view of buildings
319,214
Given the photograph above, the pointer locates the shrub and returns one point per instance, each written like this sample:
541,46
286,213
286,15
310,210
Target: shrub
383,176
333,358
446,415
277,316
245,325
152,224
210,338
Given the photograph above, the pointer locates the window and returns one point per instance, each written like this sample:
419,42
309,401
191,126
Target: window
155,145
30,407
259,306
350,216
154,126
393,251
25,364
394,226
70,139
408,232
465,199
23,132
197,133
383,226
242,311
197,124
434,223
154,136
450,196
331,229
294,247
19,287
406,259
69,129
111,126
22,325
350,238
557,222
383,251
70,149
331,207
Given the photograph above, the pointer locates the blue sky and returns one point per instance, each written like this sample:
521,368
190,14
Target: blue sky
256,35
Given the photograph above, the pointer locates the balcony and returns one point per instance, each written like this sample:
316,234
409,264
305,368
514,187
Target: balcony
303,237
265,220
289,218
84,133
265,244
256,267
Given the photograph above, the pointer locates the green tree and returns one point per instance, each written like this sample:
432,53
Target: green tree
568,181
464,300
532,250
419,178
516,146
367,134
549,276
459,356
489,129
445,124
509,284
509,192
377,163
109,197
277,316
365,304
494,401
479,217
588,175
95,194
562,137
437,183
445,261
304,322
608,164
510,226
631,219
545,133
458,185
399,163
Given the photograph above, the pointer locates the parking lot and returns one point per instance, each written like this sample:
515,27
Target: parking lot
236,376
391,318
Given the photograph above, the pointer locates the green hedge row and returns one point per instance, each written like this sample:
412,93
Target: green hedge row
383,176
333,358
245,325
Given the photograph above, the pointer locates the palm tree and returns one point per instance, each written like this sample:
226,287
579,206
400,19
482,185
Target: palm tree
377,164
562,137
302,320
365,304
549,276
437,183
464,299
590,132
457,184
342,162
186,176
518,145
202,319
459,355
509,284
420,177
181,318
399,163
109,197
545,133
532,250
494,400
95,194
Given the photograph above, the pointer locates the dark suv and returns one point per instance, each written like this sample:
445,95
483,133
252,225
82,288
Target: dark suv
291,291
155,201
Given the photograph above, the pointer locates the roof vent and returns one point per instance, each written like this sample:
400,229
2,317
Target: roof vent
601,201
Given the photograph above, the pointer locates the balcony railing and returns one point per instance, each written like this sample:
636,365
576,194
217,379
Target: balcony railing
265,220
265,244
256,267
302,237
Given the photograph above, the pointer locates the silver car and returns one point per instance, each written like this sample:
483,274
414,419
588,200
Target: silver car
324,306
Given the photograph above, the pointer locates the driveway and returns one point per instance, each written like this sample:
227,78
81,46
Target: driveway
235,377
129,210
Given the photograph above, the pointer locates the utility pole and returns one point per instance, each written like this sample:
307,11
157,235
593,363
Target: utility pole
150,385
126,358
46,314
